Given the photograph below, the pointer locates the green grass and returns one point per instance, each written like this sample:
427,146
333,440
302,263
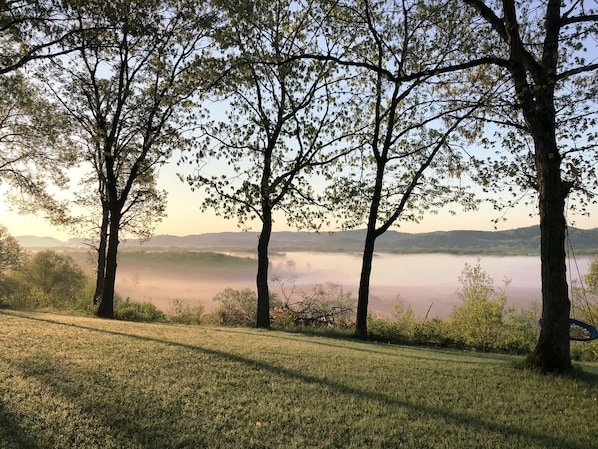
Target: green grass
71,382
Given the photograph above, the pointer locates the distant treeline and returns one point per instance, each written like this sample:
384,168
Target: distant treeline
521,241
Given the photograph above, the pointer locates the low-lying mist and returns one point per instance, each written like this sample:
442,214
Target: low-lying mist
425,281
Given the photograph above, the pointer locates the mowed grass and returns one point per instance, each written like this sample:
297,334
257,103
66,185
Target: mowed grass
69,382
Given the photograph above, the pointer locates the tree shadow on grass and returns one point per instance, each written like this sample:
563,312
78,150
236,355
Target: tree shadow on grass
431,353
12,434
444,414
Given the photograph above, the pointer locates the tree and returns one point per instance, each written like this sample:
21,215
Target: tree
130,88
32,30
11,254
408,155
542,44
34,137
55,275
143,214
35,146
278,134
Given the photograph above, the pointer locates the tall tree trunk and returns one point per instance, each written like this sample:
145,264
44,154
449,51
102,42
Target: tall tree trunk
101,268
363,295
263,293
106,308
552,352
364,283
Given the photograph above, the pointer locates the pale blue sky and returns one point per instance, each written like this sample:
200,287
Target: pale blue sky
185,216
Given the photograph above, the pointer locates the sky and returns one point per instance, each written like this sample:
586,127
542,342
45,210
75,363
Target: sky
185,217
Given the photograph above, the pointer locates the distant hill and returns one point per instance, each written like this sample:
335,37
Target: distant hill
32,241
511,242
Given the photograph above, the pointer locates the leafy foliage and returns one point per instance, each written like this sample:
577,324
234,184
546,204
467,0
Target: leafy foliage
237,307
37,147
48,280
480,318
11,253
128,310
482,322
182,313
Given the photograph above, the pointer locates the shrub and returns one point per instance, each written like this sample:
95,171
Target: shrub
283,318
237,308
404,318
586,350
47,280
521,330
381,329
434,332
128,310
400,330
478,322
182,313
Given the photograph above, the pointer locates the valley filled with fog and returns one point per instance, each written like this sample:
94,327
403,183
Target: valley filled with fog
425,281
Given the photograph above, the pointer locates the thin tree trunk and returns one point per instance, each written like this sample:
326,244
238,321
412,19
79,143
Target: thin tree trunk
263,293
364,284
363,295
106,308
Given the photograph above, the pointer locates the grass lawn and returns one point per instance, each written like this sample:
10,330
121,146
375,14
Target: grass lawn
68,382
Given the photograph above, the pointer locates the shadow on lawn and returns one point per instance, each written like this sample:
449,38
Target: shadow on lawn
12,434
445,414
374,347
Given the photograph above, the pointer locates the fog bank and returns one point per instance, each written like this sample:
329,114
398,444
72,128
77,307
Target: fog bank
422,280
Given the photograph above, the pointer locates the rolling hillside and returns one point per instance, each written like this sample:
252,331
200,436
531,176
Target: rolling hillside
510,242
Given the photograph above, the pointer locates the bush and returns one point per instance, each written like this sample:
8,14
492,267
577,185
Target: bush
404,318
433,332
482,322
237,308
585,350
128,310
521,330
380,329
182,313
47,280
478,322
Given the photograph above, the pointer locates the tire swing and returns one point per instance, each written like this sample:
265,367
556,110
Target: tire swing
579,330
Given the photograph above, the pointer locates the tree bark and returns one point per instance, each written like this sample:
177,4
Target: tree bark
263,293
101,268
364,283
552,352
368,250
106,308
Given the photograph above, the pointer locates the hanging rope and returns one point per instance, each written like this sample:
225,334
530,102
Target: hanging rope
584,296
